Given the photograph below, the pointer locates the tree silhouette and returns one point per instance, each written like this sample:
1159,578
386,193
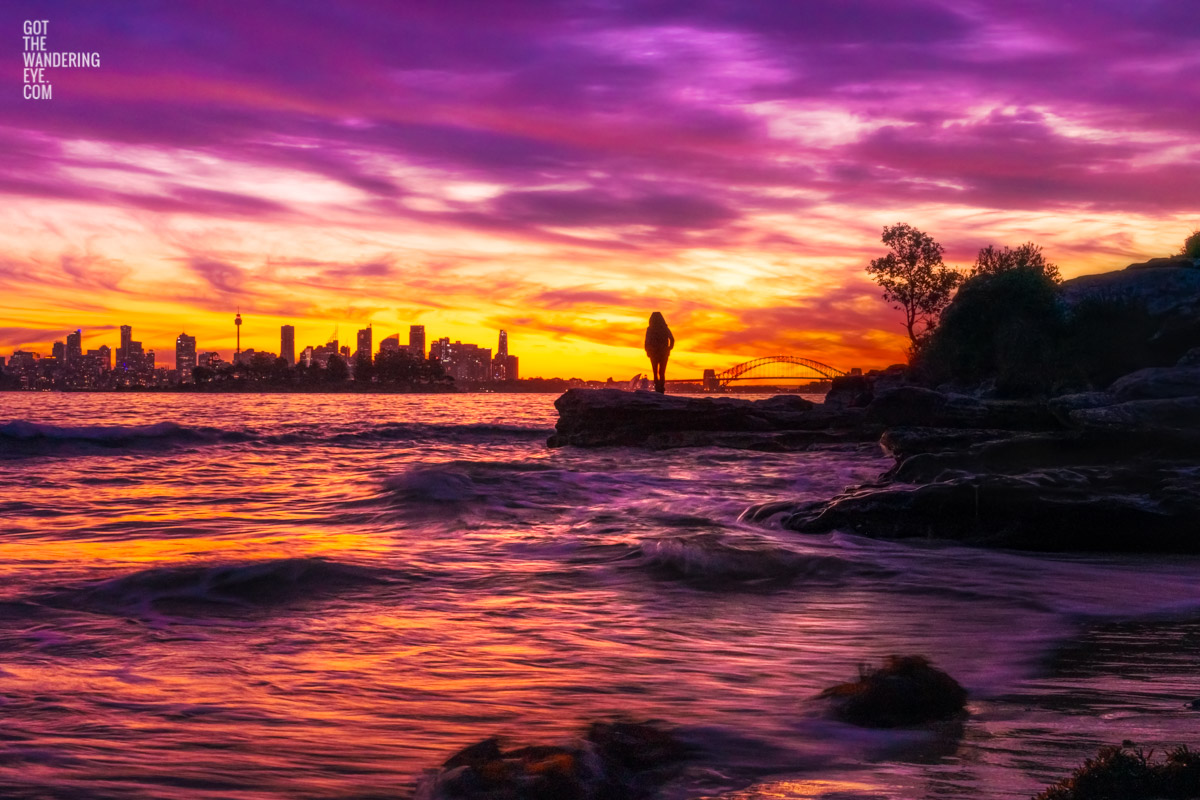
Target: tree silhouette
914,278
991,261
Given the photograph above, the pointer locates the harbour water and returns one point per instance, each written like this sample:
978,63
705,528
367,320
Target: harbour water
324,596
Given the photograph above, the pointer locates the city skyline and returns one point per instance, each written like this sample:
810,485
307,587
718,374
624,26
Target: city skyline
136,363
567,170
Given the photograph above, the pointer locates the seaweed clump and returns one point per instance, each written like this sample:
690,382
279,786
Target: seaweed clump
1121,773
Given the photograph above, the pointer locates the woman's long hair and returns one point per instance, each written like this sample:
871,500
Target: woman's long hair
658,323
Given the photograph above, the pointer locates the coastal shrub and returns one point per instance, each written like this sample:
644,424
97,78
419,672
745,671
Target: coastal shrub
1005,327
992,260
1118,772
1191,245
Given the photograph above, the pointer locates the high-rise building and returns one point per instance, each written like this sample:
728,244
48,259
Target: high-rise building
464,362
500,362
511,371
59,352
287,344
75,347
391,344
364,343
237,322
123,349
103,357
185,356
416,341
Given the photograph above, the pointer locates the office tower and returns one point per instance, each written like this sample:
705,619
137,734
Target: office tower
59,351
237,322
185,356
101,357
416,341
287,344
123,350
364,343
390,345
440,351
500,362
511,372
75,347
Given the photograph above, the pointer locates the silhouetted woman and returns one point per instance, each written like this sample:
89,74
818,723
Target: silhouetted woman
659,342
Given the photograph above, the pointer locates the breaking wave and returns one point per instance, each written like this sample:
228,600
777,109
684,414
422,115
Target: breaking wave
255,584
710,562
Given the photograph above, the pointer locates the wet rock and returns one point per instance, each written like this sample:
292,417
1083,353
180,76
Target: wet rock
857,391
1119,772
1157,383
1141,508
905,691
625,760
611,417
918,406
1062,406
1180,415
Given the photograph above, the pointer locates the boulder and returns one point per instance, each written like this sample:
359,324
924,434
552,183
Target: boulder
921,407
611,417
1157,383
857,391
905,691
1140,507
1167,417
614,760
1169,288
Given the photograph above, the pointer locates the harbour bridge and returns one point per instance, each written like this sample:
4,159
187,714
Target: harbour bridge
788,368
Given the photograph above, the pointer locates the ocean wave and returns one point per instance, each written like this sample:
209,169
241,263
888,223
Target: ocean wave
711,562
22,437
212,587
435,485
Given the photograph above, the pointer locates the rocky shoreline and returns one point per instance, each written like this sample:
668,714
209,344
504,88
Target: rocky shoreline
1112,470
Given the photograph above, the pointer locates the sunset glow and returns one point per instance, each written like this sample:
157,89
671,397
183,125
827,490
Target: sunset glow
560,170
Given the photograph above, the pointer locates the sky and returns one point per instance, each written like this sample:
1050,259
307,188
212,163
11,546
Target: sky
562,169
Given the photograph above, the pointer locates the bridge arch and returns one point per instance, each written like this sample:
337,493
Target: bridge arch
777,367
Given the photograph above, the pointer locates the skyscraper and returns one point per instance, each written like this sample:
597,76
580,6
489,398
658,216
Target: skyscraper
364,343
123,350
502,350
75,347
390,345
185,356
416,341
287,344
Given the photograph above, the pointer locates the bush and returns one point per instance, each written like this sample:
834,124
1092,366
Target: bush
1005,327
1191,245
